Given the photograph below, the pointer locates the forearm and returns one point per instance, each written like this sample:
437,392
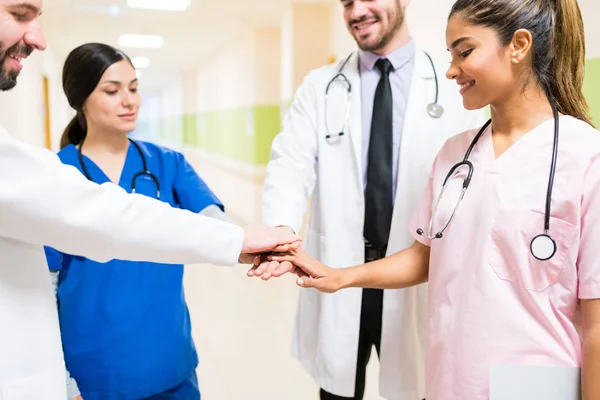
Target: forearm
591,364
406,268
45,202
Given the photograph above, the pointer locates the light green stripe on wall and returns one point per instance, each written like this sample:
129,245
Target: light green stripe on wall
267,124
172,128
591,88
189,130
244,134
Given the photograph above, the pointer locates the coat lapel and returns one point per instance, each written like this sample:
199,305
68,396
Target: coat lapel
422,92
352,72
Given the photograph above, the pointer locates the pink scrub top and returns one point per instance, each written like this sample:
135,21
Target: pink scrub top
490,301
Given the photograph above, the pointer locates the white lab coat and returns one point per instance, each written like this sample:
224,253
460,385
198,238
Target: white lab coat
327,325
43,202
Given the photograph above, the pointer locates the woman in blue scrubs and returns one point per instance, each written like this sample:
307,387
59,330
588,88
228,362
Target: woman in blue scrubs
125,325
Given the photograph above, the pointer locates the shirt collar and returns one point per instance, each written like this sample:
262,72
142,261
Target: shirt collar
398,58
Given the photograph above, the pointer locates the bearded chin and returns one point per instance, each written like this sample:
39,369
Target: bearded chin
395,24
7,80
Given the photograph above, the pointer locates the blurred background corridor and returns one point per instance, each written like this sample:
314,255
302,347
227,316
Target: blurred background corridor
216,78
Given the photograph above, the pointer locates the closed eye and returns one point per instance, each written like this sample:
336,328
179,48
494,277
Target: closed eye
466,53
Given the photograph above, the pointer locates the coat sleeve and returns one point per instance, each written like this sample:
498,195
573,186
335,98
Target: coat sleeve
45,202
291,174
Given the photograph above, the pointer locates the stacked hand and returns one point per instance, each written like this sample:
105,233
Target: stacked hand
261,240
311,273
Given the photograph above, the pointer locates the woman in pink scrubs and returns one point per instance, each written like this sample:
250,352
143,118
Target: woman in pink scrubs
491,301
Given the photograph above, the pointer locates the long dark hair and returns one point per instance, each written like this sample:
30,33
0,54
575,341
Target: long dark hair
83,70
558,43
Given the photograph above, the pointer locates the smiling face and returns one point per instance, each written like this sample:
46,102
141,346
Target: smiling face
375,24
20,35
113,105
480,64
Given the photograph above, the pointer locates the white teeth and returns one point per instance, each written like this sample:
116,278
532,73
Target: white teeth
364,25
467,84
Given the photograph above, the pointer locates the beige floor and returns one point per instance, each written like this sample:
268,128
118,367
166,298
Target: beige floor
243,327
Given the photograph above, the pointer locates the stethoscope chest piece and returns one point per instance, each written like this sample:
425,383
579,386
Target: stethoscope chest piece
543,247
435,110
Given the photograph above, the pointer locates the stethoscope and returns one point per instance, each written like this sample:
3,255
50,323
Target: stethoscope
542,246
434,109
143,172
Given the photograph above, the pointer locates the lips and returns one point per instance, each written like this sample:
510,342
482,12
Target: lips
15,60
465,86
128,117
363,27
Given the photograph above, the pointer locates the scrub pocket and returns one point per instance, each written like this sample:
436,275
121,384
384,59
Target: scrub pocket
511,256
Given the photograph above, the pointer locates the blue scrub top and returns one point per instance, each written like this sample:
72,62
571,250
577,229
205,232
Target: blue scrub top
125,325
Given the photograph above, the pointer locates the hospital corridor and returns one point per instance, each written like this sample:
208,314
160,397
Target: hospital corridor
286,199
244,327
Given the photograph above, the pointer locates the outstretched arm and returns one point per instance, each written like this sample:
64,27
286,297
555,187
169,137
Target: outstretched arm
45,202
406,268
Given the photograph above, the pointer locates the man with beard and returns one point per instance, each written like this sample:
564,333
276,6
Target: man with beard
361,137
44,202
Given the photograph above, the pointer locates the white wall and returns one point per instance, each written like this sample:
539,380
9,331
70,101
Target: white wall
226,79
341,41
22,109
427,23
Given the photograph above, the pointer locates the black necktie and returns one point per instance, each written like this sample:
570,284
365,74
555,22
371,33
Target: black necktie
379,197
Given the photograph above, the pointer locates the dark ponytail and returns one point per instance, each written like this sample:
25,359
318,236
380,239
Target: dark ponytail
558,52
74,132
83,70
569,63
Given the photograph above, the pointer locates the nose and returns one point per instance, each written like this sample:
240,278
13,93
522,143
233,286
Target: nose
453,71
35,37
127,101
359,10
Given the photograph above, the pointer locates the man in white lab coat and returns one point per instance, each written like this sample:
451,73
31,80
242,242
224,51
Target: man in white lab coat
43,202
365,161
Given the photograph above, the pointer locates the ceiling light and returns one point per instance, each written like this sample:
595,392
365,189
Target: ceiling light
114,10
141,41
140,62
168,5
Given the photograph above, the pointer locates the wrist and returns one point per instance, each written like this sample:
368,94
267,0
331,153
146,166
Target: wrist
343,278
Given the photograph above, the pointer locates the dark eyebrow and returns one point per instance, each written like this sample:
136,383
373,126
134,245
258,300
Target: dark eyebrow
29,7
459,41
118,83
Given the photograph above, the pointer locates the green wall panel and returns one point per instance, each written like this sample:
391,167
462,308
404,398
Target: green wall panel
267,124
172,128
246,133
227,133
190,136
591,88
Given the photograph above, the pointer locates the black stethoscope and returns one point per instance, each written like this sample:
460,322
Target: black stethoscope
143,172
542,246
434,109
